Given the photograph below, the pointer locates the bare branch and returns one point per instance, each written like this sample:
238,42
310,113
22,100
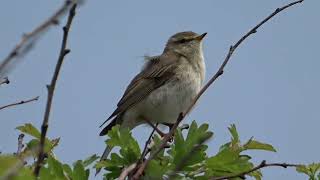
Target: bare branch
20,144
63,52
19,103
4,80
145,149
126,171
29,39
263,164
181,116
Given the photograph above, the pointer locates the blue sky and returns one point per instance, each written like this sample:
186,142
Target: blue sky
270,89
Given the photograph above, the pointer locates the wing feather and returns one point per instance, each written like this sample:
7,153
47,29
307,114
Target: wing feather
155,74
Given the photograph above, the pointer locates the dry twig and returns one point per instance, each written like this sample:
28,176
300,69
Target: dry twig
4,80
63,52
20,144
28,39
263,164
181,116
19,103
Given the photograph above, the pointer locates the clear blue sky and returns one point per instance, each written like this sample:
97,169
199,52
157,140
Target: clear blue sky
270,89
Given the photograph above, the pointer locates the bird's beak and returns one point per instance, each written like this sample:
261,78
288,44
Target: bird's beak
201,36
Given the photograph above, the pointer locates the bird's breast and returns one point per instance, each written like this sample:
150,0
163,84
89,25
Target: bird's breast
165,103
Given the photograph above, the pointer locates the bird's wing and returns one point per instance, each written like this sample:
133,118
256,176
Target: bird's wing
153,76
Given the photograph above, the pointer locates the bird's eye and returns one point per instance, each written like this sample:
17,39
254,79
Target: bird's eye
182,41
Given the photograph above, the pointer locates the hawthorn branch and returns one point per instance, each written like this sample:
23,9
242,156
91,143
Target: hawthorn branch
126,171
263,164
28,39
63,52
4,80
19,103
20,144
209,83
145,149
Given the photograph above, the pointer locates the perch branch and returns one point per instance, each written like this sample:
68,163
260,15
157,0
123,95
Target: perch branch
126,171
63,52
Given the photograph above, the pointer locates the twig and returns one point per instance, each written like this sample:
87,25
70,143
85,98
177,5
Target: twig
125,172
209,83
19,103
20,144
145,149
163,144
4,80
263,164
63,52
28,39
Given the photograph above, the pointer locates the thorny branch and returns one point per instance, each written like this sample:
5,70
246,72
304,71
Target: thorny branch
19,103
145,149
20,144
263,164
4,80
29,39
63,52
181,116
126,171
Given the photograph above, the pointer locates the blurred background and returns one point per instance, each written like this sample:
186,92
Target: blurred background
270,88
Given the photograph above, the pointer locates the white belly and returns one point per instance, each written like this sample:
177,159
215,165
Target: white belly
165,103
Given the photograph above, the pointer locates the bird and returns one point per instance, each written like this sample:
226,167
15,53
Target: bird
166,86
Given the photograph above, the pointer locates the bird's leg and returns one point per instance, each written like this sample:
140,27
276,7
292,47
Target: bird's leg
162,134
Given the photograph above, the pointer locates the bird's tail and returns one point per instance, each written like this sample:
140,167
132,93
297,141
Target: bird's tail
104,156
105,131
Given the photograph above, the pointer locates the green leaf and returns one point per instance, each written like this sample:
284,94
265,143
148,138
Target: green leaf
34,132
189,152
227,162
90,160
28,128
9,162
48,146
235,140
311,170
253,144
129,151
55,167
129,147
79,173
67,169
156,169
46,174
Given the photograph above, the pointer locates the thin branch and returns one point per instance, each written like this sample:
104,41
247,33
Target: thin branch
63,52
209,83
4,80
20,144
263,164
126,171
28,39
19,103
145,149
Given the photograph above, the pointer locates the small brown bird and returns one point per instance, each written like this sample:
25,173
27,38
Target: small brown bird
166,85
